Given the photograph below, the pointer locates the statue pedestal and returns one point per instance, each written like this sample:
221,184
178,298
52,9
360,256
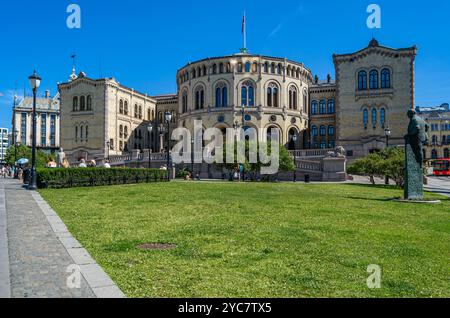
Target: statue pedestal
414,176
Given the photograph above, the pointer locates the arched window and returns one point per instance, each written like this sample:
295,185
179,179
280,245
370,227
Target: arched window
136,114
266,67
89,103
255,67
366,118
194,73
446,153
331,106
82,103
374,117
214,69
385,78
125,108
362,80
314,107
305,102
76,133
434,139
199,98
272,68
140,112
272,95
221,95
293,97
75,104
331,131
184,102
81,133
120,131
314,131
86,133
373,79
149,114
323,131
121,106
221,69
247,94
434,154
323,107
280,69
247,67
204,70
383,117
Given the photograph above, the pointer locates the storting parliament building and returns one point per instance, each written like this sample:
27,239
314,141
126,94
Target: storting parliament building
372,92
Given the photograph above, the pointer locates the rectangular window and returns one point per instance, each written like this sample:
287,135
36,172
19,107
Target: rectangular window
53,130
23,129
44,130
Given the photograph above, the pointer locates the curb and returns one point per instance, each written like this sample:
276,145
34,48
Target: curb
5,281
99,282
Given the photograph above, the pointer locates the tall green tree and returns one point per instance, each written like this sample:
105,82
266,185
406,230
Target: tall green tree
286,162
25,152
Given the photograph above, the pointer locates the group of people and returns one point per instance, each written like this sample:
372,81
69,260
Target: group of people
12,171
7,171
92,164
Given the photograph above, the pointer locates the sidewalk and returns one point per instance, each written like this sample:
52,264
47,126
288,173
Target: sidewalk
40,255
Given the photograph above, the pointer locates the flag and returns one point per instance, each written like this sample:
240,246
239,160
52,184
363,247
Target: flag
243,24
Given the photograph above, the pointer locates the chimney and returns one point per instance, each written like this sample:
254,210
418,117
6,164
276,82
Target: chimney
329,78
47,94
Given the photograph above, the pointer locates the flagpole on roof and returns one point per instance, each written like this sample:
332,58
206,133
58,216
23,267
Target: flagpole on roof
244,32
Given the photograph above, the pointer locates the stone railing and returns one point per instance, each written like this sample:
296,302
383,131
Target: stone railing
309,153
304,165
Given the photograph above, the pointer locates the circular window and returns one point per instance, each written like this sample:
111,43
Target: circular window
273,118
293,120
248,118
221,119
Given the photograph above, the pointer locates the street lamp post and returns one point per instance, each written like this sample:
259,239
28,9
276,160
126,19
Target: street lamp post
387,133
14,143
108,145
35,82
150,130
168,117
192,156
294,139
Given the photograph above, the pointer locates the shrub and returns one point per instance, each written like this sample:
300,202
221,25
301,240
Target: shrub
389,162
91,177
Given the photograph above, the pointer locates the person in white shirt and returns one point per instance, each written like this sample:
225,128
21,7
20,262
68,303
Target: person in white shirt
83,164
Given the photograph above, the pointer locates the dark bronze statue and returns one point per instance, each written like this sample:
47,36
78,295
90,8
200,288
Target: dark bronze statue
416,138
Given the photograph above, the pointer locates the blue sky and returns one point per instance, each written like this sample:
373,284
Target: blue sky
143,42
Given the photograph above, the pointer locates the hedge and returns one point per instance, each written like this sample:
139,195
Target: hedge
93,177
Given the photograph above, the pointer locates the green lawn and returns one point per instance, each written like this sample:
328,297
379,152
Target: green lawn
261,239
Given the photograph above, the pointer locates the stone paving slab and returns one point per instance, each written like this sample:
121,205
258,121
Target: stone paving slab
5,284
43,253
99,282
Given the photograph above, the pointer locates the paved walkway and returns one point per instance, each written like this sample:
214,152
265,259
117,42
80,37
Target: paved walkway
40,258
440,185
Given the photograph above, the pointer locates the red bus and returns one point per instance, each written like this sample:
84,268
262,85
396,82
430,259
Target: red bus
442,167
